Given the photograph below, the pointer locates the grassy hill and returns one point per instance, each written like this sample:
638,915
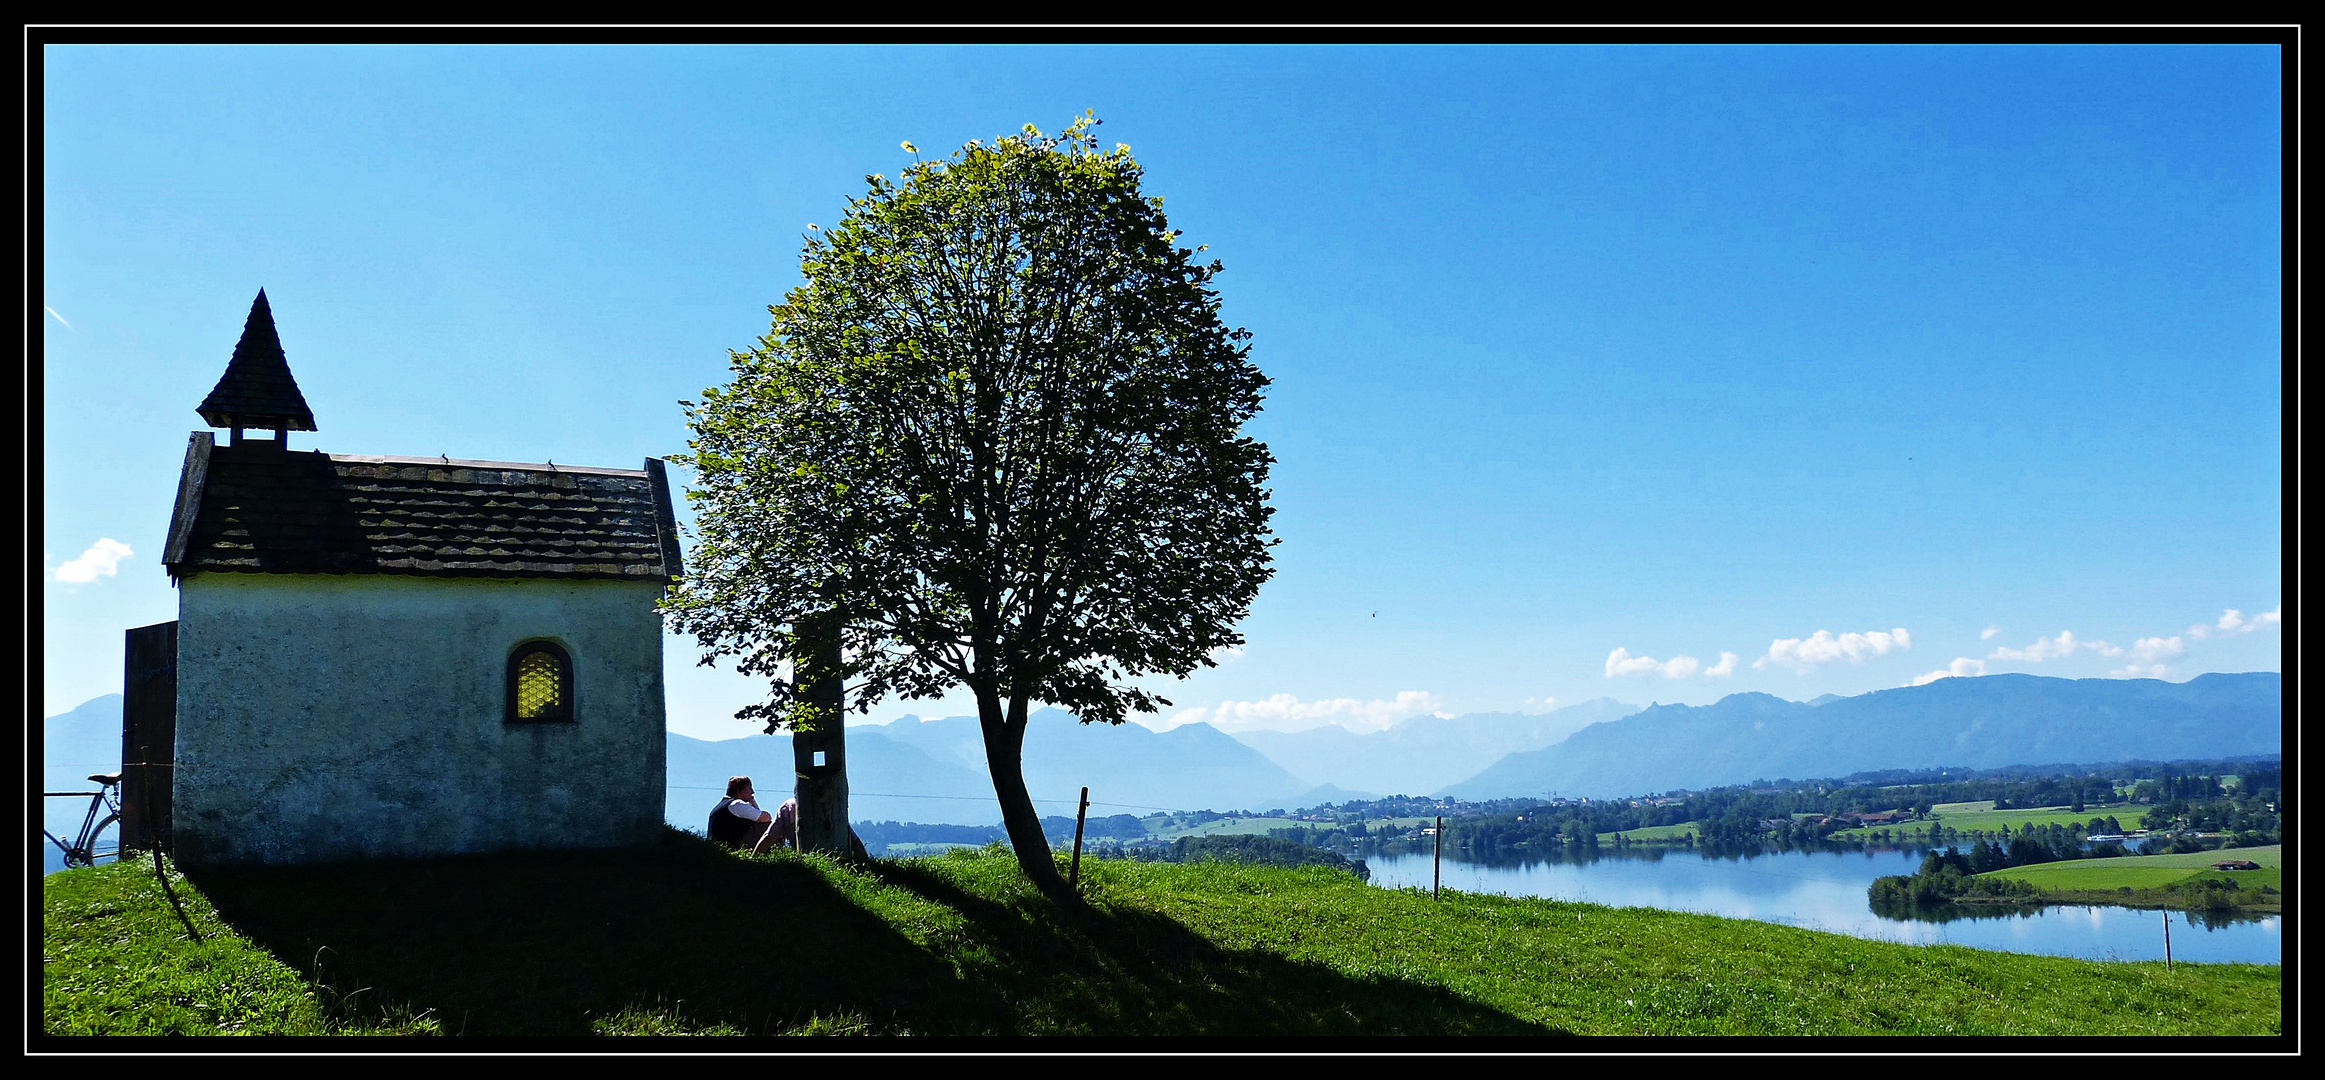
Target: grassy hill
686,938
2154,871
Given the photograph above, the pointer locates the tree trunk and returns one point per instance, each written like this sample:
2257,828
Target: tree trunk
1005,757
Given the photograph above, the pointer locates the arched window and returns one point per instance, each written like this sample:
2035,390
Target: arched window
540,684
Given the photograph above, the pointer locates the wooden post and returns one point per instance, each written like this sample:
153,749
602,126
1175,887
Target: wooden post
819,753
2167,939
1074,873
149,720
1437,862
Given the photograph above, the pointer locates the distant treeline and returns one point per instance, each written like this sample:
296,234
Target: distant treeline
2251,813
878,836
2181,795
1804,811
1409,806
1246,848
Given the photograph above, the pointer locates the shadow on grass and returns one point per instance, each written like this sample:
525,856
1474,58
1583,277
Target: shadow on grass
1123,970
548,943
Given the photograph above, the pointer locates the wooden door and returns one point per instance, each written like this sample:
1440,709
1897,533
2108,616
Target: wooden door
149,734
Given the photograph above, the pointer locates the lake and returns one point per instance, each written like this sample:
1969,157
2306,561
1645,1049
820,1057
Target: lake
1825,890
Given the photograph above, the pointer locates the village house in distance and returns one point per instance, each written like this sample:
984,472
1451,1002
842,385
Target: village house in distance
402,656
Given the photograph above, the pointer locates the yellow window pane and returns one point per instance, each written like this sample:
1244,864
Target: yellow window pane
538,692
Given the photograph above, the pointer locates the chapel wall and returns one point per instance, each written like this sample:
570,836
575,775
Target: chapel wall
329,717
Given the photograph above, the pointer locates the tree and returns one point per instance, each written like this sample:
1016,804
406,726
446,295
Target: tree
998,430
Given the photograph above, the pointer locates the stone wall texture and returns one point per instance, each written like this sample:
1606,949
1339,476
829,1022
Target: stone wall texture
332,717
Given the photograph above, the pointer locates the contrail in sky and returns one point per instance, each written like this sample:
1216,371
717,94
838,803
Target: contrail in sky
60,318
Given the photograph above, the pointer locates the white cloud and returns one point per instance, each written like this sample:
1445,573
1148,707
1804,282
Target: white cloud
1801,654
2232,621
2052,648
1988,633
1621,662
2153,658
1962,667
1723,669
102,559
1547,703
2152,650
1286,712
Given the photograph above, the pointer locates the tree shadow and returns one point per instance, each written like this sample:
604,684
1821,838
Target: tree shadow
1124,970
553,943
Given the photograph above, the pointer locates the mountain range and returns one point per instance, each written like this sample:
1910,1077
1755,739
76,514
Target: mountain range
1984,722
1425,753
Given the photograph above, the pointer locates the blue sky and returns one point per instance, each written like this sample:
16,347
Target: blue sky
1593,367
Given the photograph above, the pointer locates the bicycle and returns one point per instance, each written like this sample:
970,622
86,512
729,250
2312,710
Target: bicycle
104,810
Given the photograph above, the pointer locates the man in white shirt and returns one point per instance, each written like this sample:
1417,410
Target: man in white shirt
738,822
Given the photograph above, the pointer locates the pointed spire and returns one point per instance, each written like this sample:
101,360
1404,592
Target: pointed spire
257,390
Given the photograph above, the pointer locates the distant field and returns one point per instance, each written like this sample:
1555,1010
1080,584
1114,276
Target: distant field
1982,817
1237,824
2153,871
1993,820
1650,834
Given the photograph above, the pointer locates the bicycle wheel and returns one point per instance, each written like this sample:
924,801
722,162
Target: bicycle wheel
91,840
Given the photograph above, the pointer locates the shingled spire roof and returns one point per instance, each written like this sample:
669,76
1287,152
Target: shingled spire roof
257,390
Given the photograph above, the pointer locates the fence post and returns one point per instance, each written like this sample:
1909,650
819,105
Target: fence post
1437,862
1074,872
2167,939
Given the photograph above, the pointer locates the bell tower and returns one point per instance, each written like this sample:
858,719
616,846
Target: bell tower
257,390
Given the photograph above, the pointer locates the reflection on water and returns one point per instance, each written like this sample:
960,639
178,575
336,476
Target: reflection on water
2209,919
1825,889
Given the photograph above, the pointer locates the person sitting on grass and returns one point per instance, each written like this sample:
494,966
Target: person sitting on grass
738,822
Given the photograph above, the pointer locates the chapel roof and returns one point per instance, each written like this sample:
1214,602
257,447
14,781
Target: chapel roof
257,390
256,510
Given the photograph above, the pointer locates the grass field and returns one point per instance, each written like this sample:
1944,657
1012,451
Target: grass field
1982,817
2153,871
662,941
1962,807
1653,834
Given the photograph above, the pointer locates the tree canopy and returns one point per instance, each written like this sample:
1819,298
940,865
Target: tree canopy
999,430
